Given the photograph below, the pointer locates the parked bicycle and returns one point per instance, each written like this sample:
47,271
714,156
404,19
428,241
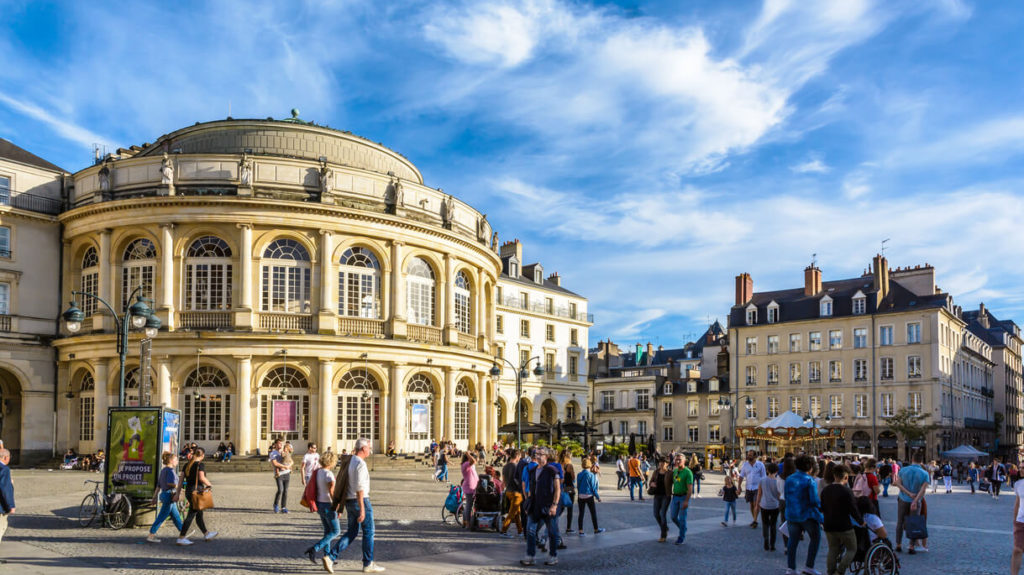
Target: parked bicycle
114,511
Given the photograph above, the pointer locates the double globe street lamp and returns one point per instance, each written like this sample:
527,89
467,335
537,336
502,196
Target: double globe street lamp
139,315
521,374
724,403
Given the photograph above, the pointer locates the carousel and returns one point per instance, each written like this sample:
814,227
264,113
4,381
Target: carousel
789,433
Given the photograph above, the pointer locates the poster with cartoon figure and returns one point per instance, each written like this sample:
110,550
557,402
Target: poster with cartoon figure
134,436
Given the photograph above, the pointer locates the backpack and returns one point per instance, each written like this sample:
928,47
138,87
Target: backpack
341,484
451,503
861,487
309,492
947,470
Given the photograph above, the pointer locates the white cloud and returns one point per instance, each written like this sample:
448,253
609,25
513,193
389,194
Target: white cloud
63,127
988,141
856,185
813,165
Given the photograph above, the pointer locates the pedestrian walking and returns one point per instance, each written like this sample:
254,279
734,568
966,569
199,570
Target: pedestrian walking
323,475
282,464
310,461
441,471
768,502
947,477
839,507
513,494
568,487
166,484
356,500
698,474
752,472
682,485
803,515
996,476
729,494
885,476
972,477
912,482
587,492
635,478
194,482
542,508
660,487
620,472
1018,529
470,479
6,490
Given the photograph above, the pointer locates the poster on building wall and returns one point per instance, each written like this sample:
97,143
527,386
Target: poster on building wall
284,416
134,437
419,422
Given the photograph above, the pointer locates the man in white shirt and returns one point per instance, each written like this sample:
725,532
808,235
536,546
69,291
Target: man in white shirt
1018,529
310,461
360,512
752,472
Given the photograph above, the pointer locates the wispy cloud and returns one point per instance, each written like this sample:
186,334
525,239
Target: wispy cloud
813,165
62,127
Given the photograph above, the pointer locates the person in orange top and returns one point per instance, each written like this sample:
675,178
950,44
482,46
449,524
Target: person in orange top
635,477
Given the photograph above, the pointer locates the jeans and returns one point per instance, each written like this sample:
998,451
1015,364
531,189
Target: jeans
168,508
810,527
769,519
622,479
352,508
995,487
282,490
847,541
467,508
442,473
329,519
661,503
885,486
587,503
730,506
532,525
696,483
638,483
678,513
227,455
515,504
947,482
974,485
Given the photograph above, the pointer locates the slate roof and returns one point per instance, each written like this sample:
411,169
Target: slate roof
993,335
662,357
548,284
9,151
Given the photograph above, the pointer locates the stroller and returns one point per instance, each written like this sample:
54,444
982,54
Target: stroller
486,505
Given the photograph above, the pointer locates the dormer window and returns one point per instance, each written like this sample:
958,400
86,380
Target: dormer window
826,307
538,276
513,269
667,389
860,304
773,312
751,314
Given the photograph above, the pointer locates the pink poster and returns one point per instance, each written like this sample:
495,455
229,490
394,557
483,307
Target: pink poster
284,416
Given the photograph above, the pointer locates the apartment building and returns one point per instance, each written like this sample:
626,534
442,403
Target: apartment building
1004,337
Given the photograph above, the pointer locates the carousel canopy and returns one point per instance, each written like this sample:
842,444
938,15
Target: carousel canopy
789,426
785,420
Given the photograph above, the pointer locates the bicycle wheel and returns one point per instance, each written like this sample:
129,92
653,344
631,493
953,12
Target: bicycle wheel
120,513
458,515
89,510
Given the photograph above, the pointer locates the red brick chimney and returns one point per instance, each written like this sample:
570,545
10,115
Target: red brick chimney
812,280
744,288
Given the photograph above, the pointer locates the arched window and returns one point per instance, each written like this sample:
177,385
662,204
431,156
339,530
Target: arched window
284,404
420,409
286,271
137,267
462,307
358,406
133,386
86,408
207,403
90,280
461,411
359,284
420,291
208,275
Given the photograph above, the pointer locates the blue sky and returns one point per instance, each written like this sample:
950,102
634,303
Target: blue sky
647,151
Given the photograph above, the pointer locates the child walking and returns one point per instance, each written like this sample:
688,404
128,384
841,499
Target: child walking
729,495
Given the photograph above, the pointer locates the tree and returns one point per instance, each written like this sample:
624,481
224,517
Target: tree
910,425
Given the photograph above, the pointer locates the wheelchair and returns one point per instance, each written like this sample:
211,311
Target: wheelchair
877,558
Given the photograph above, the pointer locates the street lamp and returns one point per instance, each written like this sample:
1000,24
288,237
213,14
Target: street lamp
521,374
139,315
724,403
813,420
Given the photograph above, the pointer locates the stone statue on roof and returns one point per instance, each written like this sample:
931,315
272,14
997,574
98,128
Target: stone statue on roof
395,196
326,179
449,211
166,170
494,242
245,167
483,230
104,176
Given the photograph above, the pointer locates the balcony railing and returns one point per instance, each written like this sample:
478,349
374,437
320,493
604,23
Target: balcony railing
205,320
31,202
424,333
360,327
467,341
286,322
517,303
5,323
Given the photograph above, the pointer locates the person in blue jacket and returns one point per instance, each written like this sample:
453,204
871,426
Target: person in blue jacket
6,490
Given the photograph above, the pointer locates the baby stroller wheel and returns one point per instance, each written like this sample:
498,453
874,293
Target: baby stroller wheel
881,560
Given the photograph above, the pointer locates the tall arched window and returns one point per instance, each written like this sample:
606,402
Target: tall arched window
86,408
462,307
286,271
358,406
359,284
137,267
208,275
461,411
90,280
420,409
133,386
207,404
284,404
420,289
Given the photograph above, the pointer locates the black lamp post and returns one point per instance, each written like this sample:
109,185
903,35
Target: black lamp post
724,403
813,420
138,315
521,374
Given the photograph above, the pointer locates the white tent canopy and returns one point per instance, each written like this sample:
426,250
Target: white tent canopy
783,420
964,452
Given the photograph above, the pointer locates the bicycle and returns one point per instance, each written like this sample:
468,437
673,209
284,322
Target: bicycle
115,510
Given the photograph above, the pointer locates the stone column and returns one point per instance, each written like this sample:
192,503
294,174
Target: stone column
448,420
328,405
102,380
163,378
165,306
397,423
102,319
480,310
244,308
446,300
327,322
398,310
244,430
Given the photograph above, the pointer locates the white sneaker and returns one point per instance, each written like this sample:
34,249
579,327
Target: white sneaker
210,535
810,571
372,568
528,560
183,541
152,539
551,561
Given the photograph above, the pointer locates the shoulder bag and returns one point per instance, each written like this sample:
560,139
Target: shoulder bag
202,500
309,493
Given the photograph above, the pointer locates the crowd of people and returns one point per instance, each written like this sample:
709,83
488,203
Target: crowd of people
90,462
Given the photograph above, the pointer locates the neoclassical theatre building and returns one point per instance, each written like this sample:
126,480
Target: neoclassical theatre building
309,284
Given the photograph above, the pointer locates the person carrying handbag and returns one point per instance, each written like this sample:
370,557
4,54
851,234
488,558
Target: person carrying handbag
198,491
323,478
